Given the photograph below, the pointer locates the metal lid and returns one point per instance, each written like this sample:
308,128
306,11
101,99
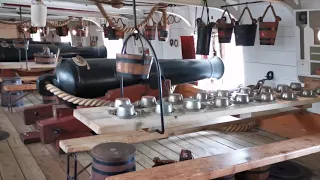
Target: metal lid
113,151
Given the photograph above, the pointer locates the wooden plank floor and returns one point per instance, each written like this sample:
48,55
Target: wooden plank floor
40,162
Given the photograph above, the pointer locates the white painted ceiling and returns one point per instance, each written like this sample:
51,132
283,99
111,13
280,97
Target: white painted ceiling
61,9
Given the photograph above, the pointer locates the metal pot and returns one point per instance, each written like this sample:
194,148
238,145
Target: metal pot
288,95
125,111
307,93
282,87
245,90
222,102
121,101
167,108
147,101
223,93
192,104
175,98
296,86
265,89
201,96
241,98
265,97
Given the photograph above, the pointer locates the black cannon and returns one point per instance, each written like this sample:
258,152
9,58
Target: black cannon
95,81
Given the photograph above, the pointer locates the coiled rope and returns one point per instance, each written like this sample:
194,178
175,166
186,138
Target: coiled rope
75,100
240,127
35,70
130,29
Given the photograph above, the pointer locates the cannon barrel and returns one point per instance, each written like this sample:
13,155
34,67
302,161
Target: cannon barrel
11,40
12,54
95,81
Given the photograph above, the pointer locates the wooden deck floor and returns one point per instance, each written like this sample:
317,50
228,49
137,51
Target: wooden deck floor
40,162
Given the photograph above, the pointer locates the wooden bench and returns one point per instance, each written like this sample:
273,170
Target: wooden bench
87,143
230,163
22,87
22,65
24,78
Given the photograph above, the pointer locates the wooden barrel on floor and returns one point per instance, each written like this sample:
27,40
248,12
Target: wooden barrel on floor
261,173
15,97
110,159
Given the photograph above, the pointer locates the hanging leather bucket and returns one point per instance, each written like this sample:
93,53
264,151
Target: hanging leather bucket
225,29
246,33
163,28
204,31
134,66
150,31
82,29
33,30
268,30
120,34
110,31
62,31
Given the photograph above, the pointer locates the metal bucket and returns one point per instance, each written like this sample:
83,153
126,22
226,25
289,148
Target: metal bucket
111,159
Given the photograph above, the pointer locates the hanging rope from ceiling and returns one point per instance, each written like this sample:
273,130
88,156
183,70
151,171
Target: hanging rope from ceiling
14,22
59,23
160,7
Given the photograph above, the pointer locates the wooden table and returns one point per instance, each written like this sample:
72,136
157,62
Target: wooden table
101,122
22,65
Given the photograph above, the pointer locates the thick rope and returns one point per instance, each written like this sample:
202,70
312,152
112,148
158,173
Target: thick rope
13,23
127,29
59,23
239,127
75,100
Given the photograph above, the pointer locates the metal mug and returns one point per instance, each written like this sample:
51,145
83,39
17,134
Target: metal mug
201,96
192,104
245,90
223,93
282,87
265,97
121,101
166,106
125,111
175,98
148,101
296,86
222,102
265,89
241,98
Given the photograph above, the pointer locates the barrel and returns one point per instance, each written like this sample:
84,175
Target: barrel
133,66
150,32
14,95
102,76
289,170
12,54
163,33
45,58
261,173
111,159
